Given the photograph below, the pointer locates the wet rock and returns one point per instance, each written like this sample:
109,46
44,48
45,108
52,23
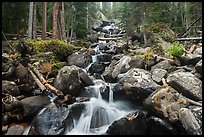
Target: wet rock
165,64
198,67
158,126
86,79
79,59
137,83
104,57
190,59
15,130
97,67
187,84
166,102
103,46
99,117
68,80
158,74
32,105
133,124
10,87
52,121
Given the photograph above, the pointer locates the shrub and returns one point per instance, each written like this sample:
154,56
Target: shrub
176,50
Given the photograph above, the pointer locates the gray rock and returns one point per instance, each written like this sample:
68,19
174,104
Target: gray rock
137,83
198,67
68,80
190,59
187,84
15,130
158,74
165,64
32,105
198,51
10,87
79,59
52,121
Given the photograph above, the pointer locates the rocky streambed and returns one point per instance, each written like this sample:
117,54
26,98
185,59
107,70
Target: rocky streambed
105,91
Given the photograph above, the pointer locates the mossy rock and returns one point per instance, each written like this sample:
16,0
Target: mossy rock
60,49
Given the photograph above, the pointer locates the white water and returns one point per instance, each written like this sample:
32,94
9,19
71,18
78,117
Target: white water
97,116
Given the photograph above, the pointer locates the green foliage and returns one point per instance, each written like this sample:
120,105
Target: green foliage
149,55
61,49
176,50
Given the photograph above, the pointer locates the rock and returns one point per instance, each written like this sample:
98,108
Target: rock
22,73
52,121
198,51
104,57
32,105
158,74
189,122
190,59
86,79
103,46
123,62
198,67
137,83
187,84
15,130
158,126
165,64
137,63
97,67
68,80
10,87
133,124
79,59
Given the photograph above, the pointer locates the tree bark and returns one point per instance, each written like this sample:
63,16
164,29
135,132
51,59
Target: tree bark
54,21
44,21
30,20
62,22
34,21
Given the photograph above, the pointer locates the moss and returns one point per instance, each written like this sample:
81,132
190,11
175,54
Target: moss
61,49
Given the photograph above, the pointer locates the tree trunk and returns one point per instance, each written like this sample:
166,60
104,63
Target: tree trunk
54,21
62,22
30,20
34,21
44,23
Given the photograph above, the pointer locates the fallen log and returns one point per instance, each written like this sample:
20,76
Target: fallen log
191,38
104,39
40,85
44,82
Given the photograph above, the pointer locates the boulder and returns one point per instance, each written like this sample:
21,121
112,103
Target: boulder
51,121
10,87
166,102
137,83
190,59
132,124
187,84
79,59
198,67
165,64
198,51
32,105
158,126
97,67
158,74
68,80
